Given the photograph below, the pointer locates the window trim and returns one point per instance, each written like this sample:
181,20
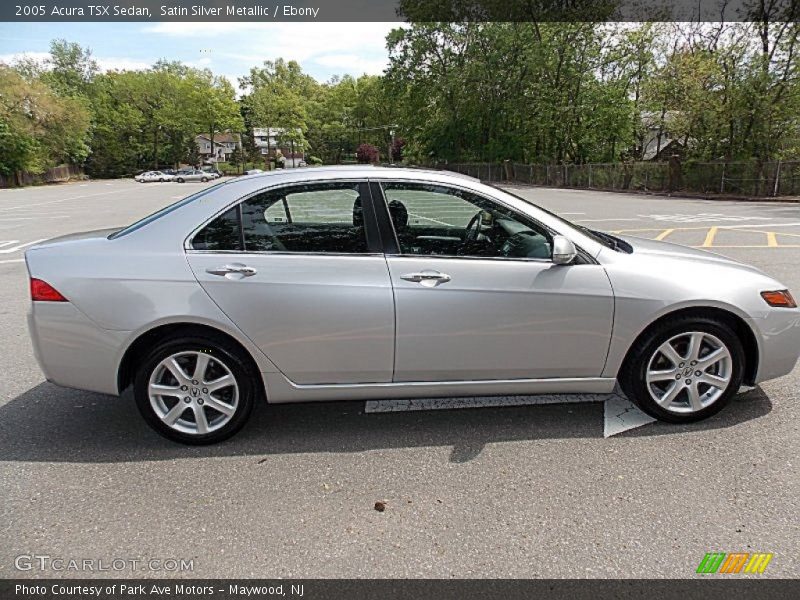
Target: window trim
384,209
367,206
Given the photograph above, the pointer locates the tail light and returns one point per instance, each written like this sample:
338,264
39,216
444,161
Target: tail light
780,298
41,291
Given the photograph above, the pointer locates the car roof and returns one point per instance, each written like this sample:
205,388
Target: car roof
367,171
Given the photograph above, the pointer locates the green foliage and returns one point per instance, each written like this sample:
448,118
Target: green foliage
151,117
39,129
546,91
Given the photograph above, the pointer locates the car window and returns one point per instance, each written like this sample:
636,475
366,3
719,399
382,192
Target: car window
306,218
437,220
166,210
223,233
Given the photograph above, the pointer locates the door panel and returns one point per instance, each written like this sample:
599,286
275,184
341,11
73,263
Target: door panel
320,319
305,282
476,297
498,319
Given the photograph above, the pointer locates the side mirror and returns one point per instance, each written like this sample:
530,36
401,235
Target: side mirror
564,251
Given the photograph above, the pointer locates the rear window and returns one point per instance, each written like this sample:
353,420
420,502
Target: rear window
164,211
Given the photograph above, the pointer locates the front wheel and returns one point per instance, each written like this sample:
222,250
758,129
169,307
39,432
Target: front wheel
684,370
195,390
180,180
204,179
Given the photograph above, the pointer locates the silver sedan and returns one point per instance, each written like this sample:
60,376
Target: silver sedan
194,175
366,283
150,176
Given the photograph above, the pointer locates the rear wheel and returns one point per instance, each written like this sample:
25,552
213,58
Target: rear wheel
684,370
195,390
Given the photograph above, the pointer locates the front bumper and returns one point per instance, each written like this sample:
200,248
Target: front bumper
778,333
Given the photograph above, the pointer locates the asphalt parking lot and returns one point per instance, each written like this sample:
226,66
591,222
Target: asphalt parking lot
533,491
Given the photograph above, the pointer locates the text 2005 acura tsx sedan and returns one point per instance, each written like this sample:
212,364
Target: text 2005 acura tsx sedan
354,283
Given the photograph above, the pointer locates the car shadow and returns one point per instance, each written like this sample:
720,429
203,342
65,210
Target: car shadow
52,424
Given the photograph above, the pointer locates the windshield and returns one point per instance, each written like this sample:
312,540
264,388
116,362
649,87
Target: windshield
605,239
164,211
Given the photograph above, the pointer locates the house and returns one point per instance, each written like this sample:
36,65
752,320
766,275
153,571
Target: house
224,145
270,139
660,141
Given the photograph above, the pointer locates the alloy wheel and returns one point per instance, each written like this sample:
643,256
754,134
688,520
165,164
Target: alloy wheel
193,392
689,372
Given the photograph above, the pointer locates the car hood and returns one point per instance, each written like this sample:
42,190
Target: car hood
654,248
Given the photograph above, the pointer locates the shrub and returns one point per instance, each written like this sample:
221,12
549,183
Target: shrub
367,153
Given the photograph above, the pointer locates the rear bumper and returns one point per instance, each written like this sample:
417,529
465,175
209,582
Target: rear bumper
778,335
72,350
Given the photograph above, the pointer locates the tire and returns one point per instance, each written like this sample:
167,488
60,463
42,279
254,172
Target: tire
204,179
180,179
647,376
161,180
208,416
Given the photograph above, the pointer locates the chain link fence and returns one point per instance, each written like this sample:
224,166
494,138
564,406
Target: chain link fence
747,178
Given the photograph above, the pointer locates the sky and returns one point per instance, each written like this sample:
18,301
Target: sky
229,49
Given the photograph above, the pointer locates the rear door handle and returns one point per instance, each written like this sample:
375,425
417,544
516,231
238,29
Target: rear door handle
427,278
233,269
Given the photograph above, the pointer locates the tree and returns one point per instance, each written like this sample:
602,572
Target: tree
214,102
70,69
279,99
39,129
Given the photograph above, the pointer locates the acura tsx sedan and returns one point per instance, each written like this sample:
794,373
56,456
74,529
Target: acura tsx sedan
348,283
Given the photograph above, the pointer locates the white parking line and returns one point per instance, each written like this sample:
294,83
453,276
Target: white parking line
429,219
20,246
605,220
34,217
701,217
12,260
29,205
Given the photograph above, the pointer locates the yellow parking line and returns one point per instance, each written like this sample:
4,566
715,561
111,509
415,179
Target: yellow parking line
663,234
772,241
762,246
712,233
769,232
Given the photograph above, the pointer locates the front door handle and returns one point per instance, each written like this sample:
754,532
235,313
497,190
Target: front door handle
235,268
427,278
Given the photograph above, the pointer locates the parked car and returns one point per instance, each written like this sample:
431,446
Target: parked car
359,282
150,176
214,172
185,175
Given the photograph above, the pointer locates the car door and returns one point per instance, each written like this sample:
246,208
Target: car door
477,296
299,270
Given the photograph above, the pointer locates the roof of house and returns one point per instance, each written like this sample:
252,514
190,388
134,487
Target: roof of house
221,138
270,131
